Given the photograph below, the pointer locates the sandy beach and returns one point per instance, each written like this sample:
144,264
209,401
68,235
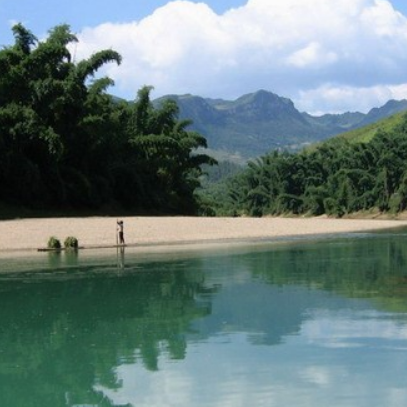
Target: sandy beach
91,232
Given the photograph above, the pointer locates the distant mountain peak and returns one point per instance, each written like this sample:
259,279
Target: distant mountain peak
258,122
264,106
262,97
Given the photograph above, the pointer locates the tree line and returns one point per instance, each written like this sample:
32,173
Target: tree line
65,143
338,177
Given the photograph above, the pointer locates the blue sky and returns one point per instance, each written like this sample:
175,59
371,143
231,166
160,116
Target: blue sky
326,55
41,15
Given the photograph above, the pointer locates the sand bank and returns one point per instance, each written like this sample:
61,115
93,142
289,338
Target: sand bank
31,234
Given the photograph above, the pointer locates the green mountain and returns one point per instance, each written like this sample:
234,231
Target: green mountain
259,122
367,132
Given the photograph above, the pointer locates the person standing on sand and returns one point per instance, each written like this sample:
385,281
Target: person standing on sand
120,229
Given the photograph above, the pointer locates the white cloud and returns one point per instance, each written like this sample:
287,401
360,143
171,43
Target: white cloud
326,55
312,54
336,99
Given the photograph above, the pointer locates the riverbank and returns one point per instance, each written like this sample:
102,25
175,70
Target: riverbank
91,232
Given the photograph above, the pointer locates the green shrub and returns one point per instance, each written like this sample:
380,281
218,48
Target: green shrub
53,243
71,242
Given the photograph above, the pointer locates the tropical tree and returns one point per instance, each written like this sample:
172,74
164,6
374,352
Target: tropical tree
66,143
166,153
338,177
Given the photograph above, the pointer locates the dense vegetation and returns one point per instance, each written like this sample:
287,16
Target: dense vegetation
66,144
337,178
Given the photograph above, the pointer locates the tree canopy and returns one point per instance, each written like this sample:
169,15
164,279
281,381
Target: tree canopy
336,178
65,143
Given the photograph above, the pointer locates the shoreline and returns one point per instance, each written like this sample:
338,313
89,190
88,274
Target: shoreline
22,235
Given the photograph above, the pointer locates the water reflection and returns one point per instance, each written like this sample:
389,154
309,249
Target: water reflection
120,257
304,324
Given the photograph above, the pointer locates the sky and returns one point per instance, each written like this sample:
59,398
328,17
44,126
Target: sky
327,56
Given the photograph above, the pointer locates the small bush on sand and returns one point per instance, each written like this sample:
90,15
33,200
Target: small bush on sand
71,242
53,243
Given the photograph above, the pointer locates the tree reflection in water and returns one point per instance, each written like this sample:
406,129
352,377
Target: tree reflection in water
63,334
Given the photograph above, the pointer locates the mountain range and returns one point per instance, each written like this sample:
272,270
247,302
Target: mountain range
259,122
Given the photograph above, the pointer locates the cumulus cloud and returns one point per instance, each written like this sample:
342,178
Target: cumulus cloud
328,56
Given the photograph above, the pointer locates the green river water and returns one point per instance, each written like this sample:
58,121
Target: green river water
313,323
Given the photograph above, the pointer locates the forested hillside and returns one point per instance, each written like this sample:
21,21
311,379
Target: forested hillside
259,122
338,177
66,144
